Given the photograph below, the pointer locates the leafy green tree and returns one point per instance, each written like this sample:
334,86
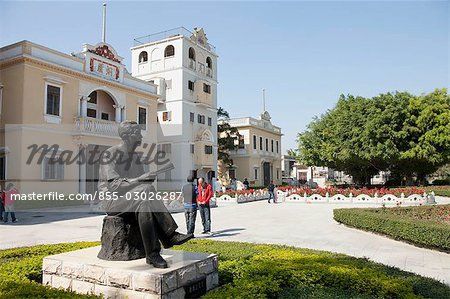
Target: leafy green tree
227,136
397,132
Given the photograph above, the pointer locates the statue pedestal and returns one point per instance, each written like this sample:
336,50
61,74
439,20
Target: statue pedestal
190,275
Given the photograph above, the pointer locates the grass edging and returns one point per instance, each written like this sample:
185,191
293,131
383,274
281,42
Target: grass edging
247,271
421,233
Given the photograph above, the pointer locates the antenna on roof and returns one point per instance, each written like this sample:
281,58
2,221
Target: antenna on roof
104,24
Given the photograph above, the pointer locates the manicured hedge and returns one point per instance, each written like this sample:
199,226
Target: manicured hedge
21,271
401,223
247,271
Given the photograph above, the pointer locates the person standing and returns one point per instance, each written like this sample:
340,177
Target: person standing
189,191
203,198
271,189
2,206
9,203
246,184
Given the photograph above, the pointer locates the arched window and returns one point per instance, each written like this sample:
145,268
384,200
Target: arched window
209,62
169,51
191,53
143,57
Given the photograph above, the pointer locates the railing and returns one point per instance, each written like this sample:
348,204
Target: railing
180,31
94,126
192,64
209,72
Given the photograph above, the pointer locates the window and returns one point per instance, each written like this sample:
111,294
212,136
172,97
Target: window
192,148
191,85
201,119
209,121
260,143
166,116
206,88
91,113
143,57
232,173
142,117
254,141
2,168
267,145
105,116
256,173
241,141
208,149
278,174
52,169
169,51
192,117
53,100
209,62
191,53
271,144
277,147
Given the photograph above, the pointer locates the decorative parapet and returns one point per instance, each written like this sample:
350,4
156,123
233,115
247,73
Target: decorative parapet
362,198
242,198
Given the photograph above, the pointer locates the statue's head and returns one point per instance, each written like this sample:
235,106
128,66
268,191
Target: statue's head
130,132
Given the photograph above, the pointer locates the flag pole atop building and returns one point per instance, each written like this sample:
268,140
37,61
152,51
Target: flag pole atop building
104,24
264,100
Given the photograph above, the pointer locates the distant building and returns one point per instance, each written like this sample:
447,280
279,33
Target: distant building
258,157
74,101
184,67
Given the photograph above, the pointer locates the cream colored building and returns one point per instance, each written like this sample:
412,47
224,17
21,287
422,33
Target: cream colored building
74,101
258,157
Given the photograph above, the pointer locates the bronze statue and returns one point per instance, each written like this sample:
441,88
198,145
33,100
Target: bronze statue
147,222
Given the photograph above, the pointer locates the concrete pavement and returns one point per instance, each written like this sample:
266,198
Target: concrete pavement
301,225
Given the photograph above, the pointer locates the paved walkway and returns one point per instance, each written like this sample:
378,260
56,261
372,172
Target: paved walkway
296,224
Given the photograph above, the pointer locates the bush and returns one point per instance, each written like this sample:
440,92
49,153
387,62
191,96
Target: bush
21,271
247,271
275,271
441,182
426,226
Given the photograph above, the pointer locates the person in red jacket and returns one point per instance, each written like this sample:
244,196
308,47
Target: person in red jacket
203,198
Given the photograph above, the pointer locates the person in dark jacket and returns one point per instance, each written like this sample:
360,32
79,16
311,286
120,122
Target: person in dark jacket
189,191
246,184
271,189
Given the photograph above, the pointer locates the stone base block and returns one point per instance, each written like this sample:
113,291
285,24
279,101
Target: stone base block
190,275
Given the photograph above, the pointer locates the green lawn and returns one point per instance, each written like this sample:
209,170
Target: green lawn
426,226
247,271
440,190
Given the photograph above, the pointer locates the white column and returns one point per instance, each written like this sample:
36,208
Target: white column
84,100
118,113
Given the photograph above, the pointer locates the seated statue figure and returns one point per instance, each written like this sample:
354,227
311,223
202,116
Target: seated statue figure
122,172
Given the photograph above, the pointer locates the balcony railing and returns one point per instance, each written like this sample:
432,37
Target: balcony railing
94,126
180,31
192,64
209,72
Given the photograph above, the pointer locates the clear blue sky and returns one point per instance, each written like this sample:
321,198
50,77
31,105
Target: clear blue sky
305,54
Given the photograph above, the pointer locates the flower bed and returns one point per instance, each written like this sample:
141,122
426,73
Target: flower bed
348,195
240,196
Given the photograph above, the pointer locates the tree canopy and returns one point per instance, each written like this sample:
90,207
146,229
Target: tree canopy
227,136
407,135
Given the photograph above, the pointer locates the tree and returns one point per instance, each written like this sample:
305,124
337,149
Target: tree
227,136
397,132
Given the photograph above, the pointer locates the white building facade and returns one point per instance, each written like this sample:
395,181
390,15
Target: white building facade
184,67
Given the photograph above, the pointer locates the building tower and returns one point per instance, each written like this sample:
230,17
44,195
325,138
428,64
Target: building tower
184,67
